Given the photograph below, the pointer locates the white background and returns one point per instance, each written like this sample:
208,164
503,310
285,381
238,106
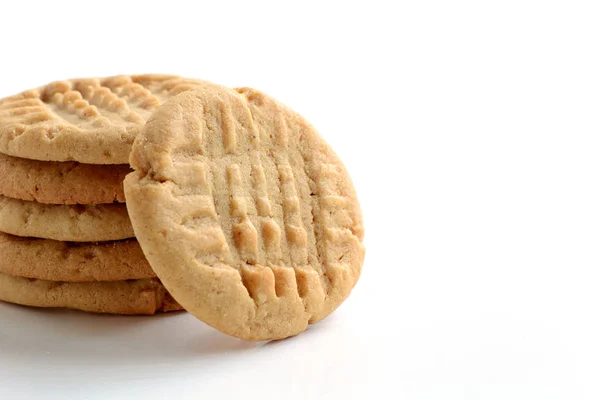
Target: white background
471,131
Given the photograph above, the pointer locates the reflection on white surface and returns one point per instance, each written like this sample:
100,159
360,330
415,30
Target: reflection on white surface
63,352
74,337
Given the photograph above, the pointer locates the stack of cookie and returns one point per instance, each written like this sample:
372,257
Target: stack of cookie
242,211
65,236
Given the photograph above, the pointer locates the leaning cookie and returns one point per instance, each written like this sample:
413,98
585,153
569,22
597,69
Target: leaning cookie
144,296
246,215
61,182
75,223
72,262
91,120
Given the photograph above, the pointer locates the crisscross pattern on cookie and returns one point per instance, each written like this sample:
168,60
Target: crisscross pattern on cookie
257,191
87,120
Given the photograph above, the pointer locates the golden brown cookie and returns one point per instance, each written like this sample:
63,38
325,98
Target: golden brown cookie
246,215
75,223
144,296
91,120
61,182
72,262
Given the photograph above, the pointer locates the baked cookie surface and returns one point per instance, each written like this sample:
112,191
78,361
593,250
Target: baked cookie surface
61,182
143,296
91,120
72,262
246,215
75,223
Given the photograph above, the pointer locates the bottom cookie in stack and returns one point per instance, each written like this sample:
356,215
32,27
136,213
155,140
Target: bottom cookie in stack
111,277
137,296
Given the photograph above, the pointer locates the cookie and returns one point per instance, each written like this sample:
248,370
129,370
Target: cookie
91,121
61,182
75,223
246,215
72,262
143,296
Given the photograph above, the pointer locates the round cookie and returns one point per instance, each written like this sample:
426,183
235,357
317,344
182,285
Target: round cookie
72,262
61,182
246,215
143,296
91,120
75,223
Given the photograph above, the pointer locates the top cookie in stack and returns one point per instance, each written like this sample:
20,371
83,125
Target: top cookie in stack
64,152
91,121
